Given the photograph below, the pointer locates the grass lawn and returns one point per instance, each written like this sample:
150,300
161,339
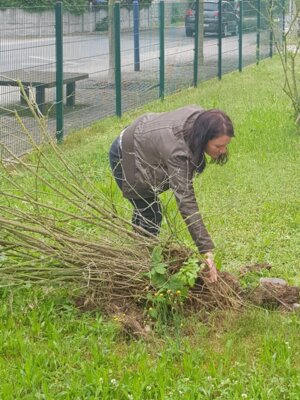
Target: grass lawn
51,350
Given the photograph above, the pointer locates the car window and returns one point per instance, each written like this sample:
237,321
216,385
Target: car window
230,8
210,6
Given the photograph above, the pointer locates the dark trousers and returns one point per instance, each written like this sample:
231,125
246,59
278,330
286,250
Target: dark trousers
146,211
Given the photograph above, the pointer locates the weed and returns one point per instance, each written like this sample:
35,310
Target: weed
167,292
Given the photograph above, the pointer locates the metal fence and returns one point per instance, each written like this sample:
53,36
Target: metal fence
79,69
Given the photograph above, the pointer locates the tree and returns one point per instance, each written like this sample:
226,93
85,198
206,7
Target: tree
287,44
73,6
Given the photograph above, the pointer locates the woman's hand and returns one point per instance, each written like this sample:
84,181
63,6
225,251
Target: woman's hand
212,270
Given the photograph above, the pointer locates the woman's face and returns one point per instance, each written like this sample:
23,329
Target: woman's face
217,147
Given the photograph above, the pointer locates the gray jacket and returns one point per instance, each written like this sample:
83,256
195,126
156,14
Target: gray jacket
156,157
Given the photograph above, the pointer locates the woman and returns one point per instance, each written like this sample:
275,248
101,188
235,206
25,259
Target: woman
161,151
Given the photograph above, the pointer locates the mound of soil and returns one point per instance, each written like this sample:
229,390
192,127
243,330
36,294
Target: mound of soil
254,268
226,293
274,293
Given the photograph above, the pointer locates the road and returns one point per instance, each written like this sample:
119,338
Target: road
90,53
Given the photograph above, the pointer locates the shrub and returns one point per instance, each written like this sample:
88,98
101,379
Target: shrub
102,25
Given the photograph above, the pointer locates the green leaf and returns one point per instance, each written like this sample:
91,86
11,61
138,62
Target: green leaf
156,255
157,280
175,283
191,281
160,268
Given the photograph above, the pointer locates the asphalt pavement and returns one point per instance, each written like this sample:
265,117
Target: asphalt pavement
90,52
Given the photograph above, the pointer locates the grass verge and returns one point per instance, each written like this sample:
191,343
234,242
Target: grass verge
251,206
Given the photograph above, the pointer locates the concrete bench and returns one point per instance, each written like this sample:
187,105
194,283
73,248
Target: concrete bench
41,80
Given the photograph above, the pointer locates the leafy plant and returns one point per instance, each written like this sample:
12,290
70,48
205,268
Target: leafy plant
142,3
102,26
176,13
288,49
167,292
73,6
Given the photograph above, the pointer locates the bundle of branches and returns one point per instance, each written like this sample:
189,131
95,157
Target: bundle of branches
224,294
58,226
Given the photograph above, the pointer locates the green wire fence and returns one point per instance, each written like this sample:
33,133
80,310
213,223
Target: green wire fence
77,69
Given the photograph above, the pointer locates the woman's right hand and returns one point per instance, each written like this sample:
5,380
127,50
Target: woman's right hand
212,269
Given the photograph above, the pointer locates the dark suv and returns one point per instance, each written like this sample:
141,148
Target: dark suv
211,18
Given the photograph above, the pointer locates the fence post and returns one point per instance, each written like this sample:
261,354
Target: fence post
59,72
196,50
258,33
117,32
271,28
161,49
220,40
136,37
241,36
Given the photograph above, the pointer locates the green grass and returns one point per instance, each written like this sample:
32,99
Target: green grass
49,350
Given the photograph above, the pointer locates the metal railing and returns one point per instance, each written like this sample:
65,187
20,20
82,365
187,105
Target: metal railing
113,60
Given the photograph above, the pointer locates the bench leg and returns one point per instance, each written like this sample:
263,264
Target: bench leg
71,94
40,98
22,98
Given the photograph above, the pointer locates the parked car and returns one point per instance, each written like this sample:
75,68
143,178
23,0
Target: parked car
211,18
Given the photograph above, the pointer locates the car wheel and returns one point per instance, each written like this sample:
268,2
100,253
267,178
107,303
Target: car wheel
188,32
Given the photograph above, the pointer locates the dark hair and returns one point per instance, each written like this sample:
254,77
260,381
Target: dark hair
209,125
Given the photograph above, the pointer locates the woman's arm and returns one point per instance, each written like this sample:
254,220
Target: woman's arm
180,178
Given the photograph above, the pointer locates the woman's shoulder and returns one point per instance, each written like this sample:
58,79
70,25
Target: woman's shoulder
177,114
191,108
